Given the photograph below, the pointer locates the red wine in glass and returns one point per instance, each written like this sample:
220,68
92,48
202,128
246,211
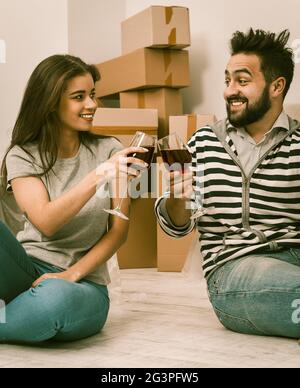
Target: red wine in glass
140,139
180,157
176,154
147,157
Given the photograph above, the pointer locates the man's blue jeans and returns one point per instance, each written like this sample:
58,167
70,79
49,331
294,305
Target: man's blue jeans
259,294
55,309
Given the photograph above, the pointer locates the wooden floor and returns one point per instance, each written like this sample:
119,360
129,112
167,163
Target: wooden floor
159,320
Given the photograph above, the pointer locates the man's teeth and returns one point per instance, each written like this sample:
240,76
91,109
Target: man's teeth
237,103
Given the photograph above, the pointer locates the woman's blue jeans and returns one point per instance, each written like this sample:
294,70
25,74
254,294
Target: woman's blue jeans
259,294
55,309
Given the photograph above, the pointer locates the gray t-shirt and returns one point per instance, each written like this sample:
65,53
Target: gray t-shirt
76,238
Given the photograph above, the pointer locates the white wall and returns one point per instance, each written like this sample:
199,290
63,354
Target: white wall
95,28
32,30
212,25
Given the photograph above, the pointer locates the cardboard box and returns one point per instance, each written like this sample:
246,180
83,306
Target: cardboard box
142,69
167,101
161,184
157,27
123,123
186,125
140,249
171,252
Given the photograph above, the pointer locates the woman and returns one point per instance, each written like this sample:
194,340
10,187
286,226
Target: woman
53,277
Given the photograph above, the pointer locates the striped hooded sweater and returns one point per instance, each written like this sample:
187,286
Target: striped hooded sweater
248,214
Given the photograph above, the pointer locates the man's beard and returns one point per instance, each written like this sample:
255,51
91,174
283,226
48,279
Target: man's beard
251,114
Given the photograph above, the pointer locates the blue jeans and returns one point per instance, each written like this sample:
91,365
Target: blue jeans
259,294
56,309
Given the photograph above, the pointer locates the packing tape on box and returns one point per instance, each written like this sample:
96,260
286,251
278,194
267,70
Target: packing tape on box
167,59
192,124
172,39
167,62
141,100
169,14
169,80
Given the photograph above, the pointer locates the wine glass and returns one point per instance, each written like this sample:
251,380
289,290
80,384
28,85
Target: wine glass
140,139
177,156
174,152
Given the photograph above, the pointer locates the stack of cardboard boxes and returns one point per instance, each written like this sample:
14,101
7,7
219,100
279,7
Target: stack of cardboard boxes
161,32
147,79
139,251
153,67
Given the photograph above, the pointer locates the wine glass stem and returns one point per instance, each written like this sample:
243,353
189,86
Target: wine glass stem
121,200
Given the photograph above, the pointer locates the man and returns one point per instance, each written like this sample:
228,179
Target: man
250,186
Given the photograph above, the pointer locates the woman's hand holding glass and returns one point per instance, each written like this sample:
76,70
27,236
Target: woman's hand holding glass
118,166
132,161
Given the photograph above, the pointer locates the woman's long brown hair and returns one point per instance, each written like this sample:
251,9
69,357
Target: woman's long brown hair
37,121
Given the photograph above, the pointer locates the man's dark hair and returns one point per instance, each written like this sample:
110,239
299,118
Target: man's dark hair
275,57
